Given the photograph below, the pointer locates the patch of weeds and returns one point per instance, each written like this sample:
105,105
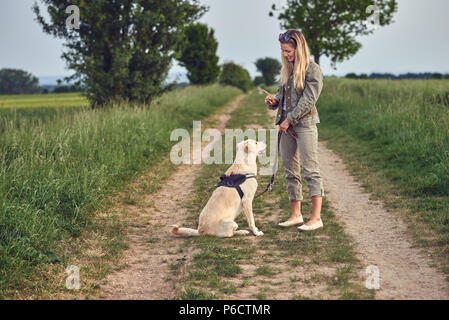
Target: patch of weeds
176,266
245,283
296,263
153,240
200,274
265,270
129,199
294,278
300,297
227,270
262,294
316,278
227,287
195,294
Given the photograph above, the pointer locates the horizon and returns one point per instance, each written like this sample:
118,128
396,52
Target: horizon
185,79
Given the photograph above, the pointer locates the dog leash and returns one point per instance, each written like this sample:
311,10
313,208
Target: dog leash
292,133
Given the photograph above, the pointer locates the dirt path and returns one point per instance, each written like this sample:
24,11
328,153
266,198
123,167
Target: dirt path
152,248
380,236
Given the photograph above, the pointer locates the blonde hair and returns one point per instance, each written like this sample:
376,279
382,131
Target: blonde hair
302,60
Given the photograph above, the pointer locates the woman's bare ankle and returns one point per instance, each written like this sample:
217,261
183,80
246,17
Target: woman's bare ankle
296,209
294,216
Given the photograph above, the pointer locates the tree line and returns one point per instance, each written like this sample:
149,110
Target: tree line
409,75
124,49
17,81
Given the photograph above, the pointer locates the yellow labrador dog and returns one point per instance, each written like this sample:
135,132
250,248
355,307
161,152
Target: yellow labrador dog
217,217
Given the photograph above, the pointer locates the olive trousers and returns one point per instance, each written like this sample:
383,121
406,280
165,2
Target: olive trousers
301,151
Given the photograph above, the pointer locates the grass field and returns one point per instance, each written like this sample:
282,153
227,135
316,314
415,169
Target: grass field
58,166
55,175
394,135
58,100
18,110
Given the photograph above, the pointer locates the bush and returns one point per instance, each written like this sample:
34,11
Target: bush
234,75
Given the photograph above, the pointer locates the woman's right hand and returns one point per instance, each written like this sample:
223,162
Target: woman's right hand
269,99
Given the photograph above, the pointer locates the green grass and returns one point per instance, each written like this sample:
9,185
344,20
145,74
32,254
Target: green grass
195,294
16,118
394,135
265,270
55,175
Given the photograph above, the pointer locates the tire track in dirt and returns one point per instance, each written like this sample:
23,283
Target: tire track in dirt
381,236
147,274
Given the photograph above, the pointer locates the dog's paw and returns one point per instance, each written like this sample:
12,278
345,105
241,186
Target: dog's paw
258,233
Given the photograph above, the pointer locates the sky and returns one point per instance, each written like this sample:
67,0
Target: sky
417,40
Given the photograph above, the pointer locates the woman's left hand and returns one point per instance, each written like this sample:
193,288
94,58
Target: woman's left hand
284,125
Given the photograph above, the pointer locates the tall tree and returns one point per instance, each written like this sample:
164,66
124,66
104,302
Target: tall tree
269,68
122,49
16,81
198,54
331,26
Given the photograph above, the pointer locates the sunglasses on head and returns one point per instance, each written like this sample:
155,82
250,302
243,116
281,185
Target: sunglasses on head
285,37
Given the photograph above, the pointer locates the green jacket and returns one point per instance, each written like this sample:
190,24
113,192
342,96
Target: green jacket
300,104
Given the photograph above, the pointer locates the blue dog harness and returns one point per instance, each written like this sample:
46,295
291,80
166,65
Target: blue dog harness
234,181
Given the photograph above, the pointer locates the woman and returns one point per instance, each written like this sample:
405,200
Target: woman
300,85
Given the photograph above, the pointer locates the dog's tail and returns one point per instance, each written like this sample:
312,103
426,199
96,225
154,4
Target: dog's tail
183,231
